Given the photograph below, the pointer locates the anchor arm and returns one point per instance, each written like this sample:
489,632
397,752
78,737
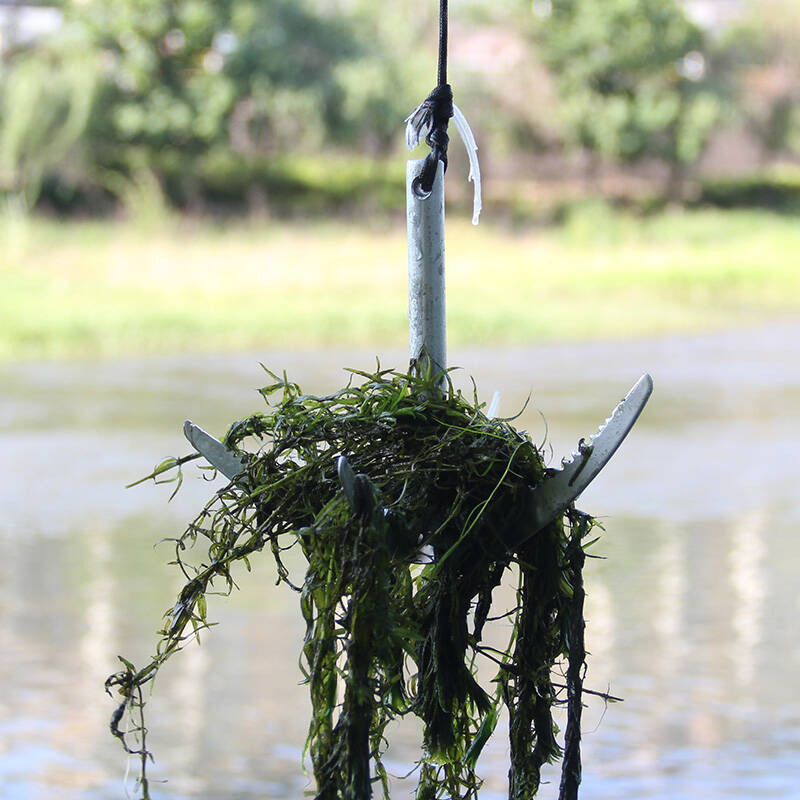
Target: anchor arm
552,497
222,458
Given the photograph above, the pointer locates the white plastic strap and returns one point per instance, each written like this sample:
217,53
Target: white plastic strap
472,153
418,125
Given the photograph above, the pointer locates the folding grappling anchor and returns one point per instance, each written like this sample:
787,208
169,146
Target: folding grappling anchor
427,329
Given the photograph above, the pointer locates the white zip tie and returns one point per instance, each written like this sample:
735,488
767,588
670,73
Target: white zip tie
472,153
418,125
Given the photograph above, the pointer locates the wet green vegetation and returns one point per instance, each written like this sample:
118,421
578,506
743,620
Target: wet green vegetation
399,582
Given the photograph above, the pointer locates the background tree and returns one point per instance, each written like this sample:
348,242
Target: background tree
190,78
184,92
630,76
393,71
46,103
240,101
761,50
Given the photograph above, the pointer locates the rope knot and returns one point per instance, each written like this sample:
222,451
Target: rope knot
430,119
440,102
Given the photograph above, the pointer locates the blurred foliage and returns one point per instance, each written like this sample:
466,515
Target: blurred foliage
223,105
46,104
630,75
191,83
762,49
286,184
183,91
776,188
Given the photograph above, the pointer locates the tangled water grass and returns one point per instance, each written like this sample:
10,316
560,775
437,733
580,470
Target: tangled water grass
399,583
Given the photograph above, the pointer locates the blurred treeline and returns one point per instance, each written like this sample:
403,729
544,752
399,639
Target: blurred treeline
282,105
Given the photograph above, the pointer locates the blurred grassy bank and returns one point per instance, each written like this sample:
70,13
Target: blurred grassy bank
106,289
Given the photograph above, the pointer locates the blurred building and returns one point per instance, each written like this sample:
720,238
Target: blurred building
23,22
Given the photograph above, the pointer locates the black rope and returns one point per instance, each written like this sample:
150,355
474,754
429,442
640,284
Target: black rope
442,43
439,104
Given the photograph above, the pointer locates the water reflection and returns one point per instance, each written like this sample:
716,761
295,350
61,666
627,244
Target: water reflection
749,585
670,591
692,605
601,631
98,595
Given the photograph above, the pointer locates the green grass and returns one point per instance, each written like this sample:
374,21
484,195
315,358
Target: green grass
103,288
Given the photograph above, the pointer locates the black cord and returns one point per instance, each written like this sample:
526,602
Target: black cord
442,43
439,104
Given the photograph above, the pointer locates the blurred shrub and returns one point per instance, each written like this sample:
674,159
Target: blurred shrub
776,189
291,184
46,104
240,104
761,53
189,91
631,79
186,78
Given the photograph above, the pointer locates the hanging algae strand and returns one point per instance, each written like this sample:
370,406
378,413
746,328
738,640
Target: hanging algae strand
397,591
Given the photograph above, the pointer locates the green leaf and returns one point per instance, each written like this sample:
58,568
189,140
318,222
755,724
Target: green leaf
127,663
482,736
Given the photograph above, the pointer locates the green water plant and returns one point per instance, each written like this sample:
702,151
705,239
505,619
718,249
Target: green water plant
399,582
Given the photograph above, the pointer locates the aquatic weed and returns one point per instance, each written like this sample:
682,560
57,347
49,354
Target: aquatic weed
398,590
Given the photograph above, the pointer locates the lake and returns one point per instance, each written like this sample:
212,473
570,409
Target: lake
691,612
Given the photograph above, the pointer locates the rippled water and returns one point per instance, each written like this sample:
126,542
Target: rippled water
692,615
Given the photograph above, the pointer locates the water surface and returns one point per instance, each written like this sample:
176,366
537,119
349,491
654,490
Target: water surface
692,612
